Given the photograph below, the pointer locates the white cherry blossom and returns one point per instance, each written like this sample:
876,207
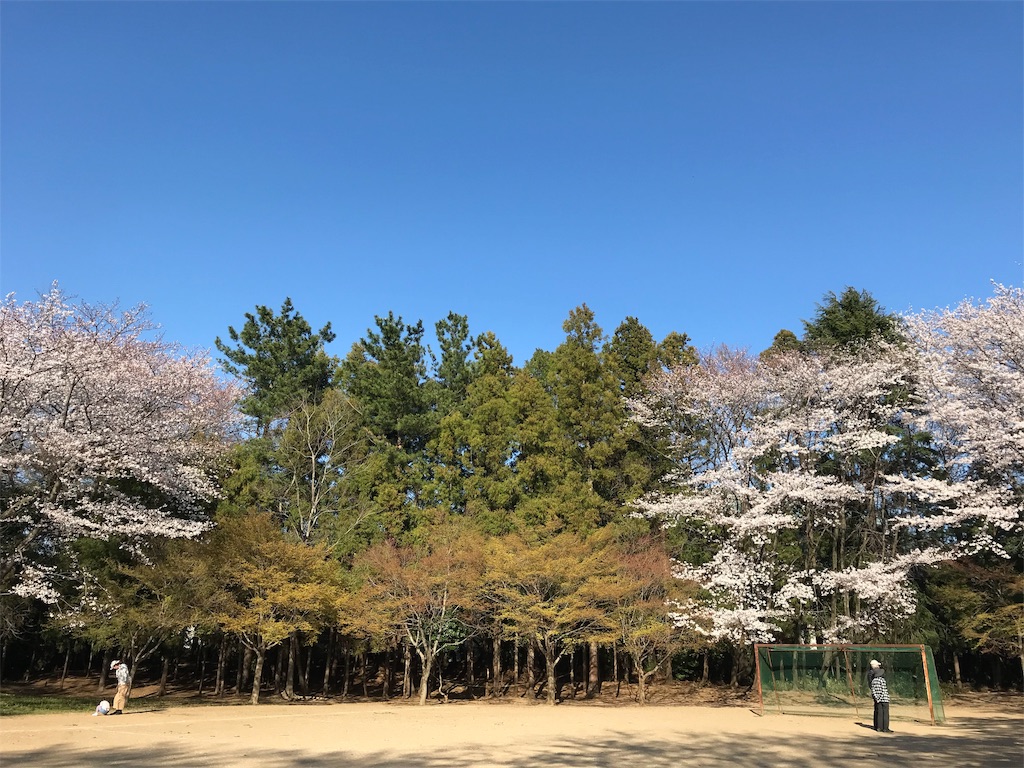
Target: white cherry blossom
105,431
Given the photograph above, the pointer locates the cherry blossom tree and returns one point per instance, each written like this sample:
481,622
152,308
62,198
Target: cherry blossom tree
973,376
711,411
106,432
811,487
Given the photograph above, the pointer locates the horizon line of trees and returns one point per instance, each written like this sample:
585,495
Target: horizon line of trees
420,523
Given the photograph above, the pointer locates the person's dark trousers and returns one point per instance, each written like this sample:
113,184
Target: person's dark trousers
882,716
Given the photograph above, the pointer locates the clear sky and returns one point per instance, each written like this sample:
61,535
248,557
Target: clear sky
709,168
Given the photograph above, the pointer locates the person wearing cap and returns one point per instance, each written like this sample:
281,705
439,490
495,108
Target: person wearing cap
121,695
880,694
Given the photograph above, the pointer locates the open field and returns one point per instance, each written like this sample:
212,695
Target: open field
462,734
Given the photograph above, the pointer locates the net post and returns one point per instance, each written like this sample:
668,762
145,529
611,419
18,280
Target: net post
927,684
849,681
757,674
775,683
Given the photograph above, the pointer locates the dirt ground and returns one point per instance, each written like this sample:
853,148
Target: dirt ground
718,734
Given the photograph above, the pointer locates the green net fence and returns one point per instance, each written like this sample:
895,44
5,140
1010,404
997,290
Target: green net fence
833,680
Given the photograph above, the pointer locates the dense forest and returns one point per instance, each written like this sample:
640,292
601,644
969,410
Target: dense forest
424,518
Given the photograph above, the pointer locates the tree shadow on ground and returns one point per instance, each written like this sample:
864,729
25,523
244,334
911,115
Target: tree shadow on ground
973,743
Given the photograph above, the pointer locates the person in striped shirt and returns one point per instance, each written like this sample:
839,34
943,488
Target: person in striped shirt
880,693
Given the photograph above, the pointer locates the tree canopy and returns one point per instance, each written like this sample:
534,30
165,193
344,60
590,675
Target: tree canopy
427,512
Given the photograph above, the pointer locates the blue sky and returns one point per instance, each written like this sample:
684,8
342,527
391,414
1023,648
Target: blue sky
709,168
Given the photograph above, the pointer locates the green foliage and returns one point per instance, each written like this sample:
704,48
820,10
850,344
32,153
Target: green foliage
590,408
632,355
559,591
454,371
853,318
260,585
490,357
425,594
113,607
505,459
245,483
676,351
281,360
784,341
982,602
400,502
539,366
317,462
648,591
385,374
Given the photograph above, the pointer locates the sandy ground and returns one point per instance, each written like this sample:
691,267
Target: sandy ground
517,733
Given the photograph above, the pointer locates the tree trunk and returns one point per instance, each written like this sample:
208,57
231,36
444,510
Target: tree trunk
428,661
406,671
496,665
615,670
641,682
363,667
67,660
279,666
104,667
835,569
957,679
257,676
550,659
572,673
336,645
306,662
515,663
246,666
327,663
31,664
222,666
594,671
347,671
531,665
202,666
165,672
289,676
1020,644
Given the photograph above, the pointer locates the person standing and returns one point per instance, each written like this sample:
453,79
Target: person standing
880,694
121,695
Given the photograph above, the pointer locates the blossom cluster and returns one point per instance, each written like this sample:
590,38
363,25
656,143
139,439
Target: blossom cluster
105,431
876,461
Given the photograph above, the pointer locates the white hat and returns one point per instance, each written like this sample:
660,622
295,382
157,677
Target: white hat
874,663
114,663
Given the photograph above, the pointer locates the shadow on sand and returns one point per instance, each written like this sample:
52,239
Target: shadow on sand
971,743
